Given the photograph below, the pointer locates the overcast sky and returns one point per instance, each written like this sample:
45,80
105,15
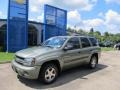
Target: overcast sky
102,15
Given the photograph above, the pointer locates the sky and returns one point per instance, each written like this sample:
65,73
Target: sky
102,15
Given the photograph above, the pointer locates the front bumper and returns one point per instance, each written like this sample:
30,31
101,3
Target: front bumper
26,72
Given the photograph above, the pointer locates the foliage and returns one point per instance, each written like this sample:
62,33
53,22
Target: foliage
107,49
106,39
1,49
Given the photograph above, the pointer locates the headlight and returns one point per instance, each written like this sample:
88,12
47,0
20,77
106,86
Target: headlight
29,61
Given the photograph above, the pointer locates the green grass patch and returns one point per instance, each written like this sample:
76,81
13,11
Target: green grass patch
4,57
107,49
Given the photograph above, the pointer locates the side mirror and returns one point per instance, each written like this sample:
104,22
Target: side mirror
68,47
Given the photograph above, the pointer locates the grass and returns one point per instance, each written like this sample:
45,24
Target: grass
5,57
107,49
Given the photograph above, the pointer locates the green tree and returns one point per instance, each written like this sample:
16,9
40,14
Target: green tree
106,34
91,33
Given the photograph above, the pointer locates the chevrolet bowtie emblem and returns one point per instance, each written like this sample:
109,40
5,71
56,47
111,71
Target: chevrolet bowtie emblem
20,1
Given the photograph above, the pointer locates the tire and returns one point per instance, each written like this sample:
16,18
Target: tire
49,73
93,62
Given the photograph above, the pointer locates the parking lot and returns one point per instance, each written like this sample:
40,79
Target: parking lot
105,77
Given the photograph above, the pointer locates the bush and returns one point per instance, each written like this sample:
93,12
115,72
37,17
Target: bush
1,49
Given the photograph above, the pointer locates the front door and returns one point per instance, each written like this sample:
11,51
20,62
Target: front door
72,56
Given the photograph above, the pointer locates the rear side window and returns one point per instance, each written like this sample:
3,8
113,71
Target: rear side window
93,41
85,42
75,42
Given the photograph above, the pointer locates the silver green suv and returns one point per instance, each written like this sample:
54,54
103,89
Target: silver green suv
56,54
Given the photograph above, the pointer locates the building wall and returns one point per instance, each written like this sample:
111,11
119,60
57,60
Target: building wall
38,26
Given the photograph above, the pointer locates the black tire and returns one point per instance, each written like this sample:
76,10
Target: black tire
93,62
48,69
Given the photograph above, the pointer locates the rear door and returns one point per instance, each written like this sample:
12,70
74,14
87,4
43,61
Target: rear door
85,51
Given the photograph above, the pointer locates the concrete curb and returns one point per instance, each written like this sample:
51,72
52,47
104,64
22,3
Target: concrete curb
5,62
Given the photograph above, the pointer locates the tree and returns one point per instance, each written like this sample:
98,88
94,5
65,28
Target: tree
106,37
82,32
106,34
91,33
98,33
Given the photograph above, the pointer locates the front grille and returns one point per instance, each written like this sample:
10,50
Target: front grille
20,57
19,60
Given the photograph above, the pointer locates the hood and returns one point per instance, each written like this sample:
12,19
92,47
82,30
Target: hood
34,51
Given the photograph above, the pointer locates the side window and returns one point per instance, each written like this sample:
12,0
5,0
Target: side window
93,41
85,42
75,42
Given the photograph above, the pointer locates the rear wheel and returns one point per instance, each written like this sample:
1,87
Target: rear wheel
49,73
93,62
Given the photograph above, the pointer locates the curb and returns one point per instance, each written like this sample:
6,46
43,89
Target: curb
5,62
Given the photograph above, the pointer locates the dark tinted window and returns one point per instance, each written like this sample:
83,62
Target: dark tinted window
85,42
93,41
75,42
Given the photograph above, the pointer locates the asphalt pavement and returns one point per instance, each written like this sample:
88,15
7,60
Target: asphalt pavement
105,77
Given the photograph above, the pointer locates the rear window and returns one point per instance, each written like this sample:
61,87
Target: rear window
93,41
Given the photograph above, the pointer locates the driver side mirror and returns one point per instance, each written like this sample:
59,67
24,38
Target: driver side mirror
68,47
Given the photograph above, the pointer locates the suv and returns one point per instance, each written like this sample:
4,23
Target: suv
56,54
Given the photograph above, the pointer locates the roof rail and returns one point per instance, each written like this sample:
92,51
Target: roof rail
75,34
78,35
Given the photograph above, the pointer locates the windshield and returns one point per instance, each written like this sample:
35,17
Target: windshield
55,42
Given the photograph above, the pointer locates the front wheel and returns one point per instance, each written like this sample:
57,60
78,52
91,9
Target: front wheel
49,73
93,62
